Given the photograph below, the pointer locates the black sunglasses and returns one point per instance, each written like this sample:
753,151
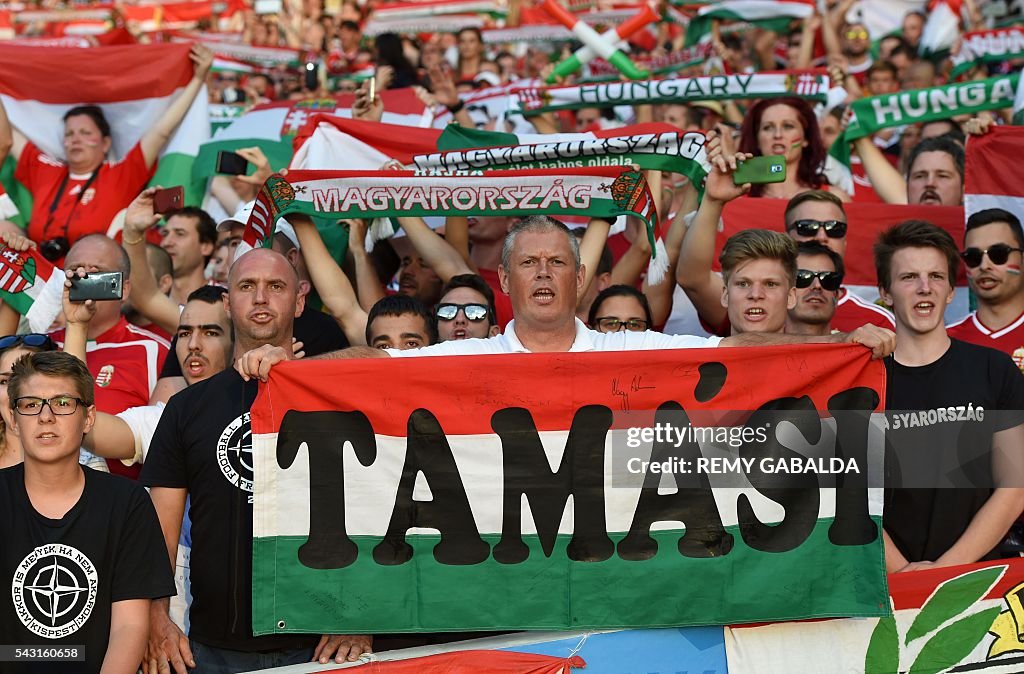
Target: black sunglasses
998,254
830,280
448,311
32,339
835,229
612,324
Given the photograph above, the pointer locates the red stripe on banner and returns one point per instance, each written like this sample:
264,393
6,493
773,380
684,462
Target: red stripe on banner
545,382
866,222
473,662
611,172
911,590
101,74
401,143
992,166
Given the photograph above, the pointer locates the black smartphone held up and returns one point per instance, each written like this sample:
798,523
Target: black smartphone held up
170,199
311,76
232,164
98,286
761,170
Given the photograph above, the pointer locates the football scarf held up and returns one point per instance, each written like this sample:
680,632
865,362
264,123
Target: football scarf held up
809,84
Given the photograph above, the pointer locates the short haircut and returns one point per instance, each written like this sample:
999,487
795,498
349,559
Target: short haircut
818,248
124,263
208,294
882,66
206,227
159,261
758,244
811,195
400,305
477,283
938,144
51,364
606,261
991,216
349,24
955,133
913,234
538,223
620,290
93,112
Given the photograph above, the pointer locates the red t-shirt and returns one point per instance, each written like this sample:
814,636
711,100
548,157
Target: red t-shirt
502,302
1009,340
126,362
114,187
852,312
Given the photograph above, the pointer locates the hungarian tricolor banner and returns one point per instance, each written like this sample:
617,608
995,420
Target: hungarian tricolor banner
952,619
600,70
809,84
272,126
134,84
709,486
988,46
773,15
32,286
992,171
331,142
875,113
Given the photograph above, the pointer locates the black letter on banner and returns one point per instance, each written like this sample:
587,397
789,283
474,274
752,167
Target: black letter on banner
427,450
799,496
580,473
325,435
852,411
693,504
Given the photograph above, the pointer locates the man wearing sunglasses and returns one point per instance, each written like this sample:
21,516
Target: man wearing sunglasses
993,245
466,309
819,276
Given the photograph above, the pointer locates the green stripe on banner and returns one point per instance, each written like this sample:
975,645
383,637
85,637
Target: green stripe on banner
177,169
618,592
21,197
279,153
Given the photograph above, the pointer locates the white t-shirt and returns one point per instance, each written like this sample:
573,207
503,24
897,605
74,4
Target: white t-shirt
586,340
142,420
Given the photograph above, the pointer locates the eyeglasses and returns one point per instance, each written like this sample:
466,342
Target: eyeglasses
33,339
610,324
62,406
998,254
857,34
829,280
835,229
473,312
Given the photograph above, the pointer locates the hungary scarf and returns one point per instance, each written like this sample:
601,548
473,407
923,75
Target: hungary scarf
599,192
988,46
332,142
809,84
773,15
923,105
32,286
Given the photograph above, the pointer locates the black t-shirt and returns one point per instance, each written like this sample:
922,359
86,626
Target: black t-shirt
203,444
63,575
941,420
318,332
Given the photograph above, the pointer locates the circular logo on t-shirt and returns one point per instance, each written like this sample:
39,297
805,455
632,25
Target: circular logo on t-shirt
234,453
54,590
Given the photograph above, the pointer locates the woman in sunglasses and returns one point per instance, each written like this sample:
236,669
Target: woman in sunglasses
620,307
12,348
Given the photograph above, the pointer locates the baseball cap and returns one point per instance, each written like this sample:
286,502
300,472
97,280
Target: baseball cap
240,217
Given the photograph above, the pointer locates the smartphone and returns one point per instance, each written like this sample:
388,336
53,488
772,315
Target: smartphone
232,164
761,170
267,6
310,77
373,87
170,199
98,286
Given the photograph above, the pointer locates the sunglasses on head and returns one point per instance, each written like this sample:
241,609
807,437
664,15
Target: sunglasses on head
998,254
33,339
473,312
829,280
834,229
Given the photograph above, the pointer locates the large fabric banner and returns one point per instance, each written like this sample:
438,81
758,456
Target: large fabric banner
992,171
707,487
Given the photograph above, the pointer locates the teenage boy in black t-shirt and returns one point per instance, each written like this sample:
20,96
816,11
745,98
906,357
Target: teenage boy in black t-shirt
81,550
202,448
956,435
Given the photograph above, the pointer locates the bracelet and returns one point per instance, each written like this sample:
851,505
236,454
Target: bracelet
457,108
132,242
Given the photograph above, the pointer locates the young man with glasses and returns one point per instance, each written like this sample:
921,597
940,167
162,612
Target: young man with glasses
82,552
466,309
993,255
819,276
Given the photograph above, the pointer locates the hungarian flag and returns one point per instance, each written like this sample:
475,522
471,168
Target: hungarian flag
7,208
273,126
942,29
992,170
32,286
134,84
773,15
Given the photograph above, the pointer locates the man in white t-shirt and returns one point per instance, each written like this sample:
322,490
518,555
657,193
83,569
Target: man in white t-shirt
541,272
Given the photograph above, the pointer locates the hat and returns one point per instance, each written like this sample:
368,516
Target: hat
713,106
486,76
240,217
284,227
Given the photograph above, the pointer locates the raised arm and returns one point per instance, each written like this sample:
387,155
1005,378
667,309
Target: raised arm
659,295
885,179
333,286
591,246
435,251
11,140
368,286
143,291
157,136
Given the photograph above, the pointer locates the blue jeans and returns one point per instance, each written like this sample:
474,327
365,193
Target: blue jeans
210,660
